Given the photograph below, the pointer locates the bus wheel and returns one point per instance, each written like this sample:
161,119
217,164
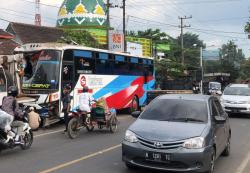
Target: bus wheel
134,105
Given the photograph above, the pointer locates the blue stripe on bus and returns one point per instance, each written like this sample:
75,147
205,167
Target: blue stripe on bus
85,54
146,87
118,84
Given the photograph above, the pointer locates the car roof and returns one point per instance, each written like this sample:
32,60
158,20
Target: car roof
196,97
240,85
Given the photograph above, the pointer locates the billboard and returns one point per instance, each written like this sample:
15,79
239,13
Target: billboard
116,42
134,49
146,45
211,55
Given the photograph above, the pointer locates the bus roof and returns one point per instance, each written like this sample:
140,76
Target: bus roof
32,47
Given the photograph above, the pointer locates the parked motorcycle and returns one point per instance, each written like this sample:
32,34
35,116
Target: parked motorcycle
7,136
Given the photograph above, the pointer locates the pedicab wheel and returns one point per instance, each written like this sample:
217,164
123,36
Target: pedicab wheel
100,126
113,124
28,140
73,128
89,126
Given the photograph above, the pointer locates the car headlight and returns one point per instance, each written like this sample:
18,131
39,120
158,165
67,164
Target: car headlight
194,143
130,137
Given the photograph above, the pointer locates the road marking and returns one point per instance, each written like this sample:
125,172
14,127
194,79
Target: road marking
244,164
49,133
80,159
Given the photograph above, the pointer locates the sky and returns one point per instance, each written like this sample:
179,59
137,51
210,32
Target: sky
215,21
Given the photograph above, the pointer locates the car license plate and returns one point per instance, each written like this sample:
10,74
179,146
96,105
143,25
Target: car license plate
235,110
157,156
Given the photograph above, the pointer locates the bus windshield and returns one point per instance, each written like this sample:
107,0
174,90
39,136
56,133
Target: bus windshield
45,73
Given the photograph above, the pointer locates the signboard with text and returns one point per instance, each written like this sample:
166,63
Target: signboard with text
134,49
116,42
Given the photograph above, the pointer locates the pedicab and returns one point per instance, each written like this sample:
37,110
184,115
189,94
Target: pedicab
100,116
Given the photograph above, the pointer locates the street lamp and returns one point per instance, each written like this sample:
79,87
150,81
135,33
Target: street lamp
201,65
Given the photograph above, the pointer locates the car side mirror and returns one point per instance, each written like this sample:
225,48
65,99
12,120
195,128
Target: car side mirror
136,114
219,119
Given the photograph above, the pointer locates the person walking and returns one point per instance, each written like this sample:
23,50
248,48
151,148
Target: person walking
66,99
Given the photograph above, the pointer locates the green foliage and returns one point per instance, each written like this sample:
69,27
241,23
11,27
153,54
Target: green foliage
166,69
231,59
80,37
245,69
192,45
247,27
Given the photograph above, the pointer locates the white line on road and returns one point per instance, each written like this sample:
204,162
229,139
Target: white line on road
80,159
48,133
244,164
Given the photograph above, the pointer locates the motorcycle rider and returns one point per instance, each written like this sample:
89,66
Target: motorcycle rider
85,100
10,106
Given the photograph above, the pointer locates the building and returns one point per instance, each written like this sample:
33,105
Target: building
89,15
27,33
7,45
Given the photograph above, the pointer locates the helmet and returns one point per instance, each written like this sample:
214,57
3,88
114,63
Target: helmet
85,89
12,91
67,87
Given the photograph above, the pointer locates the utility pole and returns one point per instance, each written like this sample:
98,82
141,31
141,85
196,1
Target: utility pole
124,24
38,13
202,70
182,41
108,22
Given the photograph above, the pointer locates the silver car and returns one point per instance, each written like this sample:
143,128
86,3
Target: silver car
236,99
182,133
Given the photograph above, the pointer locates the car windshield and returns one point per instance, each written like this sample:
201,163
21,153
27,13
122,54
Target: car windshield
176,110
46,71
240,91
215,86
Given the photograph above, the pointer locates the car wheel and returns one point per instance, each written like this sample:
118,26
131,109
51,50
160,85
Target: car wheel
226,151
212,161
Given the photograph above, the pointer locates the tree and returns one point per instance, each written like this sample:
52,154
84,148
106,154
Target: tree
192,43
247,27
231,59
245,69
80,37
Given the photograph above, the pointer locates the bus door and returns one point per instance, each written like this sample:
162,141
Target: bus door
67,76
3,85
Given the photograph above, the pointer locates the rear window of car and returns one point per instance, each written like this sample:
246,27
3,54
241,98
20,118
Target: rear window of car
240,91
176,110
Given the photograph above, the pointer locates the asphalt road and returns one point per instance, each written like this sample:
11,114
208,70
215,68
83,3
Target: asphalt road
100,152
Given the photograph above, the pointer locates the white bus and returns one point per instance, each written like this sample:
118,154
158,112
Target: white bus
121,79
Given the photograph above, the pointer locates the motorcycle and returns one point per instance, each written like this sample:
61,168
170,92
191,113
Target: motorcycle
79,119
8,134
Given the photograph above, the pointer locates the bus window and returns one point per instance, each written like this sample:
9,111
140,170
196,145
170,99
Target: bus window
134,67
103,64
84,62
2,81
68,55
121,66
67,74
